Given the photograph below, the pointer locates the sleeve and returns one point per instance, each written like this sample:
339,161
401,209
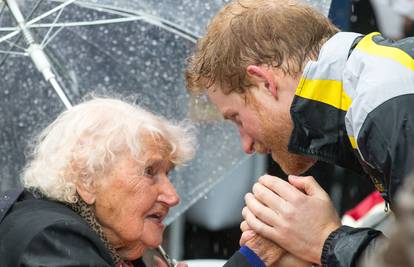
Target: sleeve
386,143
345,245
237,260
245,257
62,245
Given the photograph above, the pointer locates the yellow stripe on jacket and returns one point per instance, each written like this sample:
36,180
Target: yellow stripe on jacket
329,92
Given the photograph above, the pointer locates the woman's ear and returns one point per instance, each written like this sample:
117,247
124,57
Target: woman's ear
86,191
261,74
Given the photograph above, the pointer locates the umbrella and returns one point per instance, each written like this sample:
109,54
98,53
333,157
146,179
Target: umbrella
124,48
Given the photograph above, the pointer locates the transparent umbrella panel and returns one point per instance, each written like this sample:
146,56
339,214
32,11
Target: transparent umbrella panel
128,49
137,60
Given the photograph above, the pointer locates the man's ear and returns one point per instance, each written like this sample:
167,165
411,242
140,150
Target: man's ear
86,191
263,74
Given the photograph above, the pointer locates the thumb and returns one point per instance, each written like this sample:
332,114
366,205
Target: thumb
307,184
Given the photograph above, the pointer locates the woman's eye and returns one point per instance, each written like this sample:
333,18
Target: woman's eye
149,171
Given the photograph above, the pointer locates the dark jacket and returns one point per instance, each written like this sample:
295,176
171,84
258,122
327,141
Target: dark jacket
237,260
38,232
354,107
398,250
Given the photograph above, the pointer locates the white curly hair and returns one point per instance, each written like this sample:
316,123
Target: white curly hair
92,134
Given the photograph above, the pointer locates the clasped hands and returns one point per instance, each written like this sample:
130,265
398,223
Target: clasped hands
287,223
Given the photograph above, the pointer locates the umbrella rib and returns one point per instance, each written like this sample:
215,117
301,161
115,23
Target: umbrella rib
14,44
77,23
36,6
3,7
53,10
51,28
70,24
9,35
155,20
86,23
120,20
52,37
162,23
13,53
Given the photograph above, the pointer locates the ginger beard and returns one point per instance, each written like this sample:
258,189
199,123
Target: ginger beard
275,132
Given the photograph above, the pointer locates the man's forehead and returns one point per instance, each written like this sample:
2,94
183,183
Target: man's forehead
224,101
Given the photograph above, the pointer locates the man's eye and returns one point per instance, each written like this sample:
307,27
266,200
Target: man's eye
237,121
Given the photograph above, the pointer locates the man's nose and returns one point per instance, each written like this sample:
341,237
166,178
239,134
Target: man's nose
168,193
247,142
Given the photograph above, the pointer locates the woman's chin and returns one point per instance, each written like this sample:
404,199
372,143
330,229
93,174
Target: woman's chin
153,234
154,241
132,254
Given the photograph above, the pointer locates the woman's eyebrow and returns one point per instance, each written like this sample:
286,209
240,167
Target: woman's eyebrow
171,166
156,162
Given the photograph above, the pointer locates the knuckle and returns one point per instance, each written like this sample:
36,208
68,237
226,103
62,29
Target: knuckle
259,228
289,214
247,197
259,213
244,212
310,178
256,187
258,191
262,179
284,230
298,199
242,225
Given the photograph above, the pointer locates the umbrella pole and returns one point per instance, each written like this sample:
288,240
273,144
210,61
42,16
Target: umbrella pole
37,54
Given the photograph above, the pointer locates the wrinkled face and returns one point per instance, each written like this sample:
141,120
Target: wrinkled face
134,198
264,125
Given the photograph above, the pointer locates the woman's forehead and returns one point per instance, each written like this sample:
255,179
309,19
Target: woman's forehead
156,153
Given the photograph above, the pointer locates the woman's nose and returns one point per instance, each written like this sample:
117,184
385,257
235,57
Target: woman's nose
168,193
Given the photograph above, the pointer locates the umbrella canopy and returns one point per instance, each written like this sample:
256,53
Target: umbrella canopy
127,48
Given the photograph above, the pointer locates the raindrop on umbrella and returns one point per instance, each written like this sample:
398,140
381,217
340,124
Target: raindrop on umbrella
112,47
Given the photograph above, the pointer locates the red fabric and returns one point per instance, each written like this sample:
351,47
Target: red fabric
365,205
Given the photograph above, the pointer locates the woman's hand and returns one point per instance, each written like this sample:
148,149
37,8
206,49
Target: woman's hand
298,215
265,249
288,260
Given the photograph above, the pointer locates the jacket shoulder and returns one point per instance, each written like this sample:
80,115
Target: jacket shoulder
45,233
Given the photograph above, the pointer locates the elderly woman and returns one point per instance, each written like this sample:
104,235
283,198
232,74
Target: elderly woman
96,188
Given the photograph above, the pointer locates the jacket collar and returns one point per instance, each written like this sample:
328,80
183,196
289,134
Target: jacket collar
319,107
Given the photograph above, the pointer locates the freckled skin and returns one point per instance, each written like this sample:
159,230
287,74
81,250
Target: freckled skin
126,196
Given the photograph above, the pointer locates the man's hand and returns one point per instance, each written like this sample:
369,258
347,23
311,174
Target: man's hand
298,216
